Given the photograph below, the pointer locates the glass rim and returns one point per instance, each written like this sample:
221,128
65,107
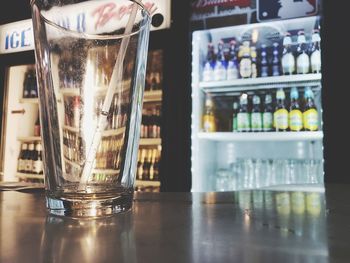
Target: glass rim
102,36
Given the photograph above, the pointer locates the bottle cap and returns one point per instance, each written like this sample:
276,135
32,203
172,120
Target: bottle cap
287,40
308,93
294,94
280,94
268,98
256,99
244,98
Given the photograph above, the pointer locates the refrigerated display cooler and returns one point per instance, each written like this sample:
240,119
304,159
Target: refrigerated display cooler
256,106
20,136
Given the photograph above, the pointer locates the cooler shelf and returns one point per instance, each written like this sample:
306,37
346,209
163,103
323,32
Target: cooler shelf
152,96
147,183
30,176
29,100
105,133
261,83
150,141
261,136
29,138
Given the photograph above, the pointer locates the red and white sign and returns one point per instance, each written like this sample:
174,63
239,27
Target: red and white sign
91,17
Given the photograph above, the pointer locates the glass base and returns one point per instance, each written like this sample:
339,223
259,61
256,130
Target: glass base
89,208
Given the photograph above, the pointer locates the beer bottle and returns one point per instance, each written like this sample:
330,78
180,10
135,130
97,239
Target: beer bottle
256,116
220,65
245,65
310,114
254,62
37,159
208,68
280,116
243,116
268,113
295,114
29,159
232,66
234,116
303,61
276,60
146,165
288,60
37,126
264,66
209,124
76,111
22,158
315,52
140,160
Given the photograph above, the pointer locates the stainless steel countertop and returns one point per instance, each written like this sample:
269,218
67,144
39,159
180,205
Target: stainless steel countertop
244,226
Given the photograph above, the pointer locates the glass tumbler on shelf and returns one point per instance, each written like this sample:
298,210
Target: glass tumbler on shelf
91,64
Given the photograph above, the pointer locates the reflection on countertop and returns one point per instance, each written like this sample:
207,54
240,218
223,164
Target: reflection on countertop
244,226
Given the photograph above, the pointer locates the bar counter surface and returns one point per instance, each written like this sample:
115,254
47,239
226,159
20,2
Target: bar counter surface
245,226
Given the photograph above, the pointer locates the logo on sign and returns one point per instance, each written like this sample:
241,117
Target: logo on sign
285,9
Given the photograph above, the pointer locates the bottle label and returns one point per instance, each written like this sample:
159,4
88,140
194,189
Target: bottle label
245,68
208,123
298,203
316,61
275,70
232,71
254,71
288,64
281,119
28,166
208,72
234,124
267,121
256,121
311,120
303,63
37,167
295,120
21,165
264,71
243,122
219,71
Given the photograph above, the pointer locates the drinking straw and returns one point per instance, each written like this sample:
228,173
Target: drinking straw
115,81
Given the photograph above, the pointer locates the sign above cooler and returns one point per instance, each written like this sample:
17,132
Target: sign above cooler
86,17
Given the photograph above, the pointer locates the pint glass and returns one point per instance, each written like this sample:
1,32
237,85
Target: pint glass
90,62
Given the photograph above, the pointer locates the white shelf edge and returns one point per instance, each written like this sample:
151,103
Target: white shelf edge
30,176
29,100
28,138
94,171
262,136
104,133
254,82
147,183
150,141
155,95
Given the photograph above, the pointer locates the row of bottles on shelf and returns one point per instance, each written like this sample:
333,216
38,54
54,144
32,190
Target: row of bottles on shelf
148,164
30,89
228,62
30,158
251,173
107,155
284,203
151,122
116,118
154,73
250,115
71,70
